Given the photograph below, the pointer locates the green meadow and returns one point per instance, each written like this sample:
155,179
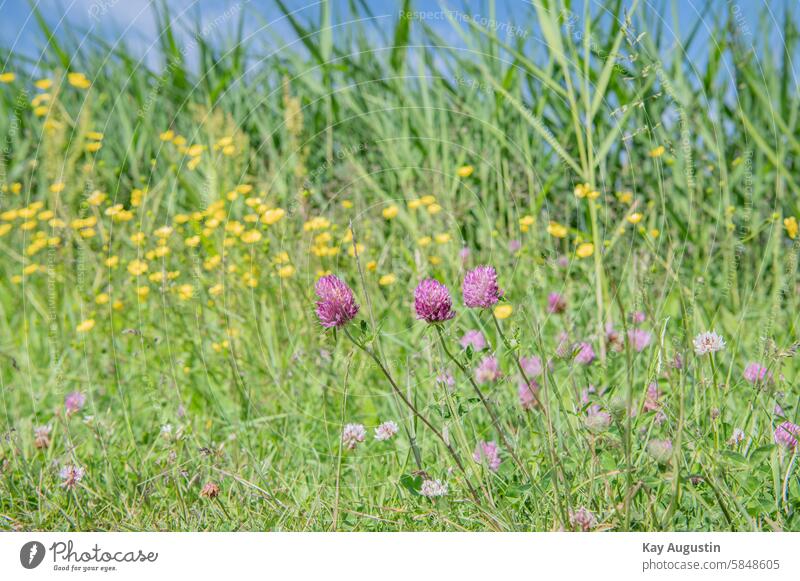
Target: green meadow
164,222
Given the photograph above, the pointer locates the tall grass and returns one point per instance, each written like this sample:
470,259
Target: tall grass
689,138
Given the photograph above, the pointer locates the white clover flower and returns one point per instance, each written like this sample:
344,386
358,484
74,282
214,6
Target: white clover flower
433,488
736,437
71,475
352,435
385,431
708,342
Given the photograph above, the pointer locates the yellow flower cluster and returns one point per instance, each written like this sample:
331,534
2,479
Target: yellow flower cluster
586,191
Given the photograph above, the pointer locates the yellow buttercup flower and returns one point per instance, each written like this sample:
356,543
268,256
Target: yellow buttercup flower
215,290
185,292
635,218
102,299
586,191
96,198
581,190
465,171
387,279
323,238
79,223
195,150
36,246
271,217
585,250
57,187
390,212
434,209
39,99
78,80
503,311
359,247
123,216
443,238
790,224
142,292
163,232
657,151
43,84
85,326
251,236
137,267
223,142
286,271
212,262
424,241
625,197
556,229
317,223
7,77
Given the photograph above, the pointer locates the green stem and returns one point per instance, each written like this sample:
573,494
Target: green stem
717,404
416,412
486,404
557,467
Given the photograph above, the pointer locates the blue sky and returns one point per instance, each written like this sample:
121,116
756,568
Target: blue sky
133,20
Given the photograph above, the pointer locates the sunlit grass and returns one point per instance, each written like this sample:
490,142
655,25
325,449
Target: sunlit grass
161,233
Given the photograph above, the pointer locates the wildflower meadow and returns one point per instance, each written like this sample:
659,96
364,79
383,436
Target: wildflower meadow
407,266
